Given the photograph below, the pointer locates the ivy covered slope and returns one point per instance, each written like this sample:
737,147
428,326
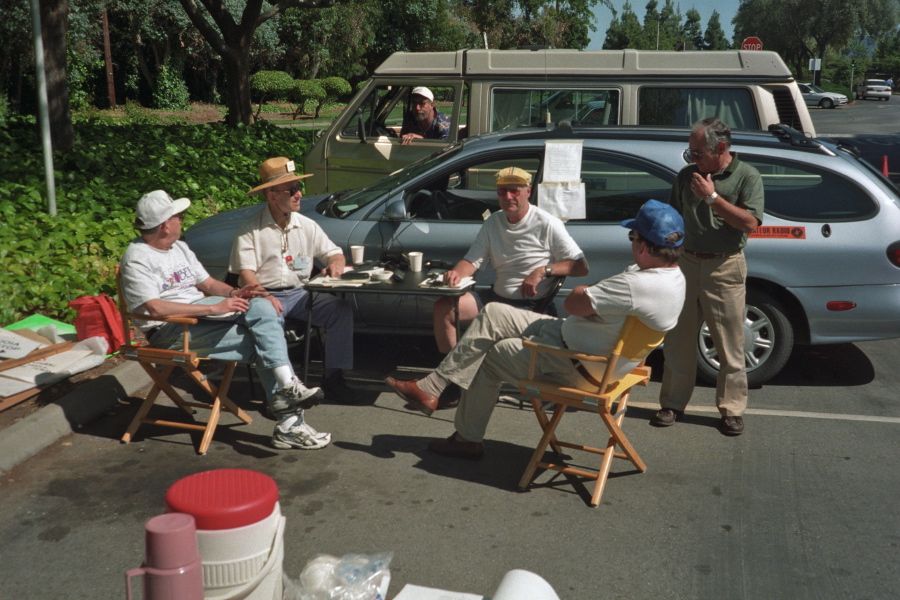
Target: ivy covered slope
48,261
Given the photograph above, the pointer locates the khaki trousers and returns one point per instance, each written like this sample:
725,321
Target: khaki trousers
491,353
715,291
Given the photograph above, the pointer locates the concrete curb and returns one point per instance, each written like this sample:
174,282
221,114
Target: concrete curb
88,402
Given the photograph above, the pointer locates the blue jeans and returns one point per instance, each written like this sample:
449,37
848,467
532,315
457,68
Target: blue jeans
255,336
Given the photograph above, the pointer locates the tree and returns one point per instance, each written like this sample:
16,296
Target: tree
54,29
232,39
624,32
690,31
714,38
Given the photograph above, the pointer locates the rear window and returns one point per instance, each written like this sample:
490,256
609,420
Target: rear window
683,106
802,192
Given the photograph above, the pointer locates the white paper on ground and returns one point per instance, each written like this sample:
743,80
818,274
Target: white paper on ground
84,355
563,199
13,345
519,584
418,592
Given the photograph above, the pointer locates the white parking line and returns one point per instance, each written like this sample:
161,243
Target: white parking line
782,413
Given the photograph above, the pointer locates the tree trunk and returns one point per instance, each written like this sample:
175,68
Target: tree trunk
54,29
237,86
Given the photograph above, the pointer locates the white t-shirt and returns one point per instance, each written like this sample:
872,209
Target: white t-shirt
281,258
515,250
654,296
149,274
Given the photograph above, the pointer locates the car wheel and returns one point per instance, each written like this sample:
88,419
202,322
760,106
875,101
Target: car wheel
826,103
768,341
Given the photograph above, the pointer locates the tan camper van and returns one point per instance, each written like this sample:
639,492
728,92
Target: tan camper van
493,90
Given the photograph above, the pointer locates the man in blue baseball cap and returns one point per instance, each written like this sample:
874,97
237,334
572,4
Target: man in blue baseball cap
491,352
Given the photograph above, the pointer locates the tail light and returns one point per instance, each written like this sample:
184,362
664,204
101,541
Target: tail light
893,254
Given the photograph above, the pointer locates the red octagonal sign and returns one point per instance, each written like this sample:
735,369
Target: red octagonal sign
751,43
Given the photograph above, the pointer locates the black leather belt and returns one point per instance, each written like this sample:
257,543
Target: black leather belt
711,255
283,289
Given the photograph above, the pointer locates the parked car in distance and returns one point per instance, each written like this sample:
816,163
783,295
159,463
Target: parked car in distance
813,95
823,268
873,88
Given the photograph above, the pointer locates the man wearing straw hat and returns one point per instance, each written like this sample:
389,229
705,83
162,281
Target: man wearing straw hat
275,249
161,278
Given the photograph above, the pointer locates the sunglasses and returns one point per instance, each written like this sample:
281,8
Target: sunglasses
293,190
633,236
179,216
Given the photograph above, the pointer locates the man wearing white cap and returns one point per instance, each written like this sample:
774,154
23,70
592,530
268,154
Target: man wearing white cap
275,249
423,121
161,278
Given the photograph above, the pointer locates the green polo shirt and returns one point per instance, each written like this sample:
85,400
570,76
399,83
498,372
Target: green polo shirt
704,230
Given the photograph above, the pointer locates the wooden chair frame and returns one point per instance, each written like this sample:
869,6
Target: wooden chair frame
160,363
610,401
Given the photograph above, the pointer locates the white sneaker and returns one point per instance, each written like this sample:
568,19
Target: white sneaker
298,395
296,433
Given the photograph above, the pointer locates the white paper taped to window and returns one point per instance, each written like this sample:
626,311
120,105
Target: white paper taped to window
562,199
562,161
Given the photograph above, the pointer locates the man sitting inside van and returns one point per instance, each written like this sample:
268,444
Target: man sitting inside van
423,121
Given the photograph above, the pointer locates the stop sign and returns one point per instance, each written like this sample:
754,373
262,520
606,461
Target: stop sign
751,43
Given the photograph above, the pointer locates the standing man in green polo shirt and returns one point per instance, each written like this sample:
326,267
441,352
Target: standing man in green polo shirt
721,201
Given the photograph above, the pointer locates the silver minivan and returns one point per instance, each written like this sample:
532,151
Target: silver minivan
483,91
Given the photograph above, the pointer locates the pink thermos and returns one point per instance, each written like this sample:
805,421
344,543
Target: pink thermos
172,569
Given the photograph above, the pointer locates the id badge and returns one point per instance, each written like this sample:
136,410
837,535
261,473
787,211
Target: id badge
302,266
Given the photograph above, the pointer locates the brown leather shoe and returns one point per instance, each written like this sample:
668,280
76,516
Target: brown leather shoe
456,448
732,425
410,392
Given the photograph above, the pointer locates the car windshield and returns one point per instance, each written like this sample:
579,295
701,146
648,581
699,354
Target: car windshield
816,89
344,203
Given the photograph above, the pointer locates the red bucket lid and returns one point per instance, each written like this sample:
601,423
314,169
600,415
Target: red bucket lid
224,498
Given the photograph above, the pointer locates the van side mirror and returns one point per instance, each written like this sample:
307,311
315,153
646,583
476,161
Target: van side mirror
395,209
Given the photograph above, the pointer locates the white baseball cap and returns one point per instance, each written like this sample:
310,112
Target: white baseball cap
424,92
156,208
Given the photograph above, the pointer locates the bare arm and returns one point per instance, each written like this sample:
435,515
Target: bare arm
462,270
578,303
565,268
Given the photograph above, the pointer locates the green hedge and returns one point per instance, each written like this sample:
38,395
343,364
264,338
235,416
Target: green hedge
48,261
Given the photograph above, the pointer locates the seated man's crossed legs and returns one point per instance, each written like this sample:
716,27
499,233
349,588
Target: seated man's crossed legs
489,354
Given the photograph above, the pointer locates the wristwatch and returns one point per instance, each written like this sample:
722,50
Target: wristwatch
548,271
711,198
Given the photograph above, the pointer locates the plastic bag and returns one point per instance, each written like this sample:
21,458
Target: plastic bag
351,577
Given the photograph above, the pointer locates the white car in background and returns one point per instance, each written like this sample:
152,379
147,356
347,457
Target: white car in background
873,88
813,95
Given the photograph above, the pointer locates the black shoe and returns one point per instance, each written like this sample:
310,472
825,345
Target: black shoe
449,398
732,425
666,417
337,390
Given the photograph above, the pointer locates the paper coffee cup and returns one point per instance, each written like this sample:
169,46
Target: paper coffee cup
415,261
357,253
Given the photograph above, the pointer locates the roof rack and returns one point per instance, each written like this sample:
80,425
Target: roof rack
794,137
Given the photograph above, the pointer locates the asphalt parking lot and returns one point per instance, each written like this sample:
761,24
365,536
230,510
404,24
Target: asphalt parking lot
800,506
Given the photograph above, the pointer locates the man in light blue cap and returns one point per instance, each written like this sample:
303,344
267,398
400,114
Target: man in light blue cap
491,351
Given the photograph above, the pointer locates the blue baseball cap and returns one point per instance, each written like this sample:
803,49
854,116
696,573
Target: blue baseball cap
655,222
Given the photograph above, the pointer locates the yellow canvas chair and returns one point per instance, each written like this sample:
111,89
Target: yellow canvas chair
610,400
159,365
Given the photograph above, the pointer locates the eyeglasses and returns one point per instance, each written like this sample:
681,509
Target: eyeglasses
179,216
633,236
421,102
292,191
692,155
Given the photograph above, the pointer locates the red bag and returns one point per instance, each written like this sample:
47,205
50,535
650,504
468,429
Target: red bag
98,317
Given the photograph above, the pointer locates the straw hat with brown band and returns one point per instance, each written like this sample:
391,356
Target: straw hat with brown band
276,171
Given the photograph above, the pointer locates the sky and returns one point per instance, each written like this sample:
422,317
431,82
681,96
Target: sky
725,8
